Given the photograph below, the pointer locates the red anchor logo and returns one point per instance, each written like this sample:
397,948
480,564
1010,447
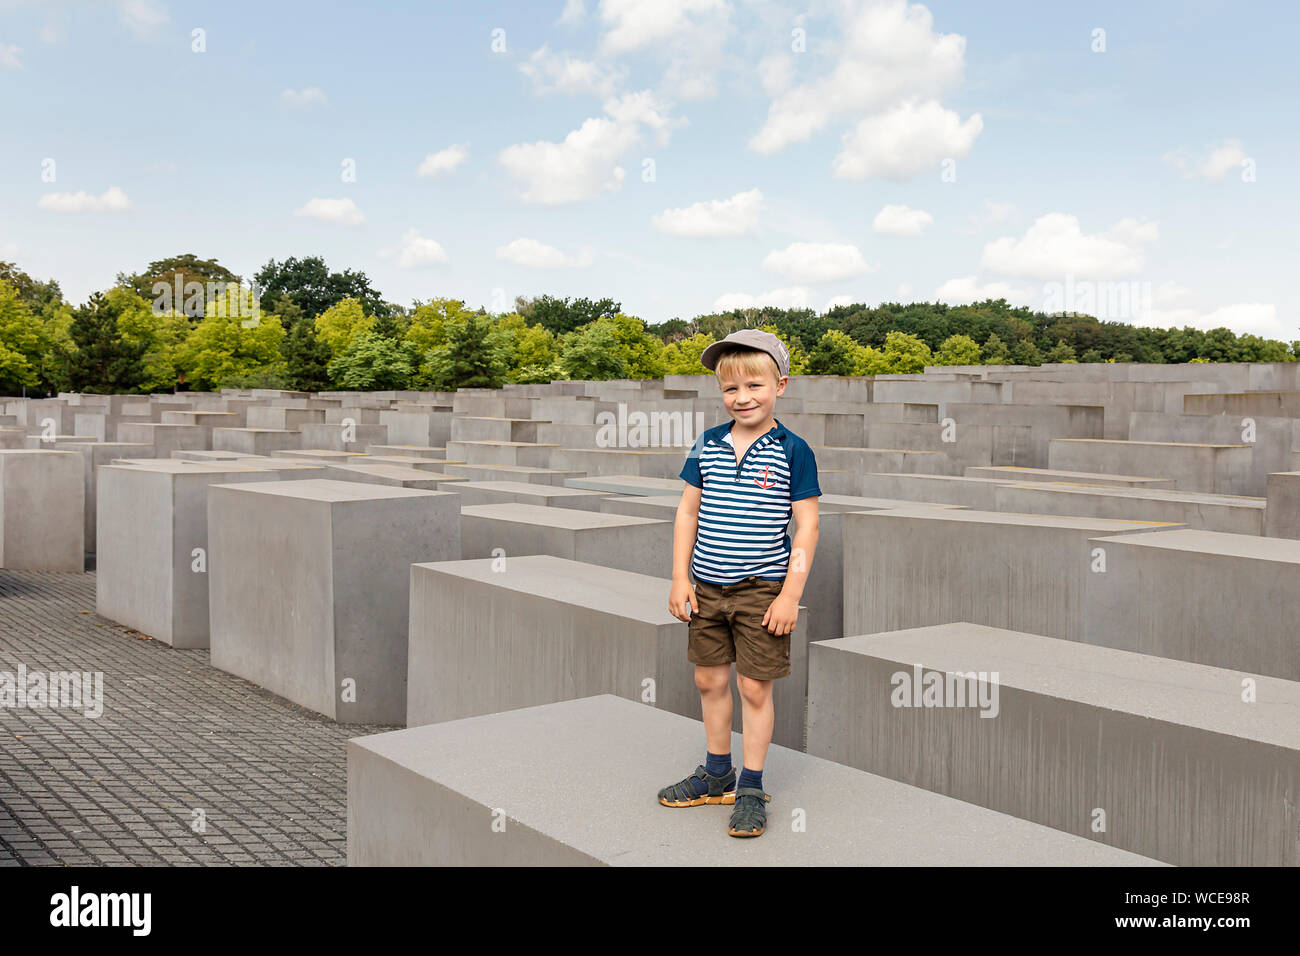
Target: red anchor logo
767,474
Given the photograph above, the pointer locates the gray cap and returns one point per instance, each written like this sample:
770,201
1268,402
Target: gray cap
749,339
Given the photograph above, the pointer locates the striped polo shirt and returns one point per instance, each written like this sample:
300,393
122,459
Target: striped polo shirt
745,507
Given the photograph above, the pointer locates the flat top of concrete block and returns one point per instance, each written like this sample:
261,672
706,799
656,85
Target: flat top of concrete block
1166,444
275,431
859,503
174,466
383,470
21,452
1081,475
532,488
971,516
504,444
327,490
1222,543
1181,692
601,482
626,594
1144,494
526,761
975,479
572,519
314,453
907,451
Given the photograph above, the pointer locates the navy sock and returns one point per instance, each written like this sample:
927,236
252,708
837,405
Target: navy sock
750,778
716,764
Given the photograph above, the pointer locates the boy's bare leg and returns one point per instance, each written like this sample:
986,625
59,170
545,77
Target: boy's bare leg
714,683
757,716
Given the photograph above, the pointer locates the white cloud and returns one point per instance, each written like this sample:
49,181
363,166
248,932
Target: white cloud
1244,318
342,211
563,73
633,24
1055,246
901,221
112,200
142,17
9,250
585,164
817,261
538,255
775,72
969,289
889,53
1214,165
991,211
690,34
574,12
736,216
903,141
838,300
416,252
904,293
443,161
9,57
304,97
792,298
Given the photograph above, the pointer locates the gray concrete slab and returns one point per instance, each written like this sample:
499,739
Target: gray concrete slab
643,545
1194,466
529,493
925,565
497,790
1282,511
1016,473
1166,756
560,630
1231,513
42,510
152,558
1226,600
310,588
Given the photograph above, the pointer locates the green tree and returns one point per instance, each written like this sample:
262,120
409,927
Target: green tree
474,355
223,349
306,357
186,268
1026,352
995,351
21,342
103,361
592,354
372,362
1061,352
835,354
158,334
906,354
683,356
559,316
309,284
339,324
958,350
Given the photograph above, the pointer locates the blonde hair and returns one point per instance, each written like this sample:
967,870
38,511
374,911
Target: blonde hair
745,363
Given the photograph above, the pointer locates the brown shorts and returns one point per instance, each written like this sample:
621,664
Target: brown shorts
728,626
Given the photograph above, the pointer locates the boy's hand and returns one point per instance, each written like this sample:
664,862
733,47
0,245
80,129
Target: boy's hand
781,615
681,600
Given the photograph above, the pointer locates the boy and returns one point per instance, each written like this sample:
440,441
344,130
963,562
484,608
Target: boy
743,481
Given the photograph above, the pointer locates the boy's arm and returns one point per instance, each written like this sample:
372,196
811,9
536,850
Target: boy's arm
685,529
802,547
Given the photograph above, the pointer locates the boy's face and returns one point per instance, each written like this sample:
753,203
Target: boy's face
749,399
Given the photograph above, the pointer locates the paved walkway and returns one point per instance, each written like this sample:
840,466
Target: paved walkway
187,765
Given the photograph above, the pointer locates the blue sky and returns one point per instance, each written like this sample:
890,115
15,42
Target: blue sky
803,153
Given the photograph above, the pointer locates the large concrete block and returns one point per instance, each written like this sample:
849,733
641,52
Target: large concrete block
255,441
966,491
643,545
1227,600
922,566
1282,511
311,588
1231,513
1016,473
529,493
1194,466
153,564
42,510
1054,731
560,630
437,795
94,454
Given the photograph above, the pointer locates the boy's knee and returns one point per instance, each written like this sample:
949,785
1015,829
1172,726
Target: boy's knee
712,679
755,692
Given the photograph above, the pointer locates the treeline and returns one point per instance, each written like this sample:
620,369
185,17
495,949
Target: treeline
187,323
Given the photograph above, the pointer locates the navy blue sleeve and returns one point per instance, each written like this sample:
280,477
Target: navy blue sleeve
691,470
803,472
